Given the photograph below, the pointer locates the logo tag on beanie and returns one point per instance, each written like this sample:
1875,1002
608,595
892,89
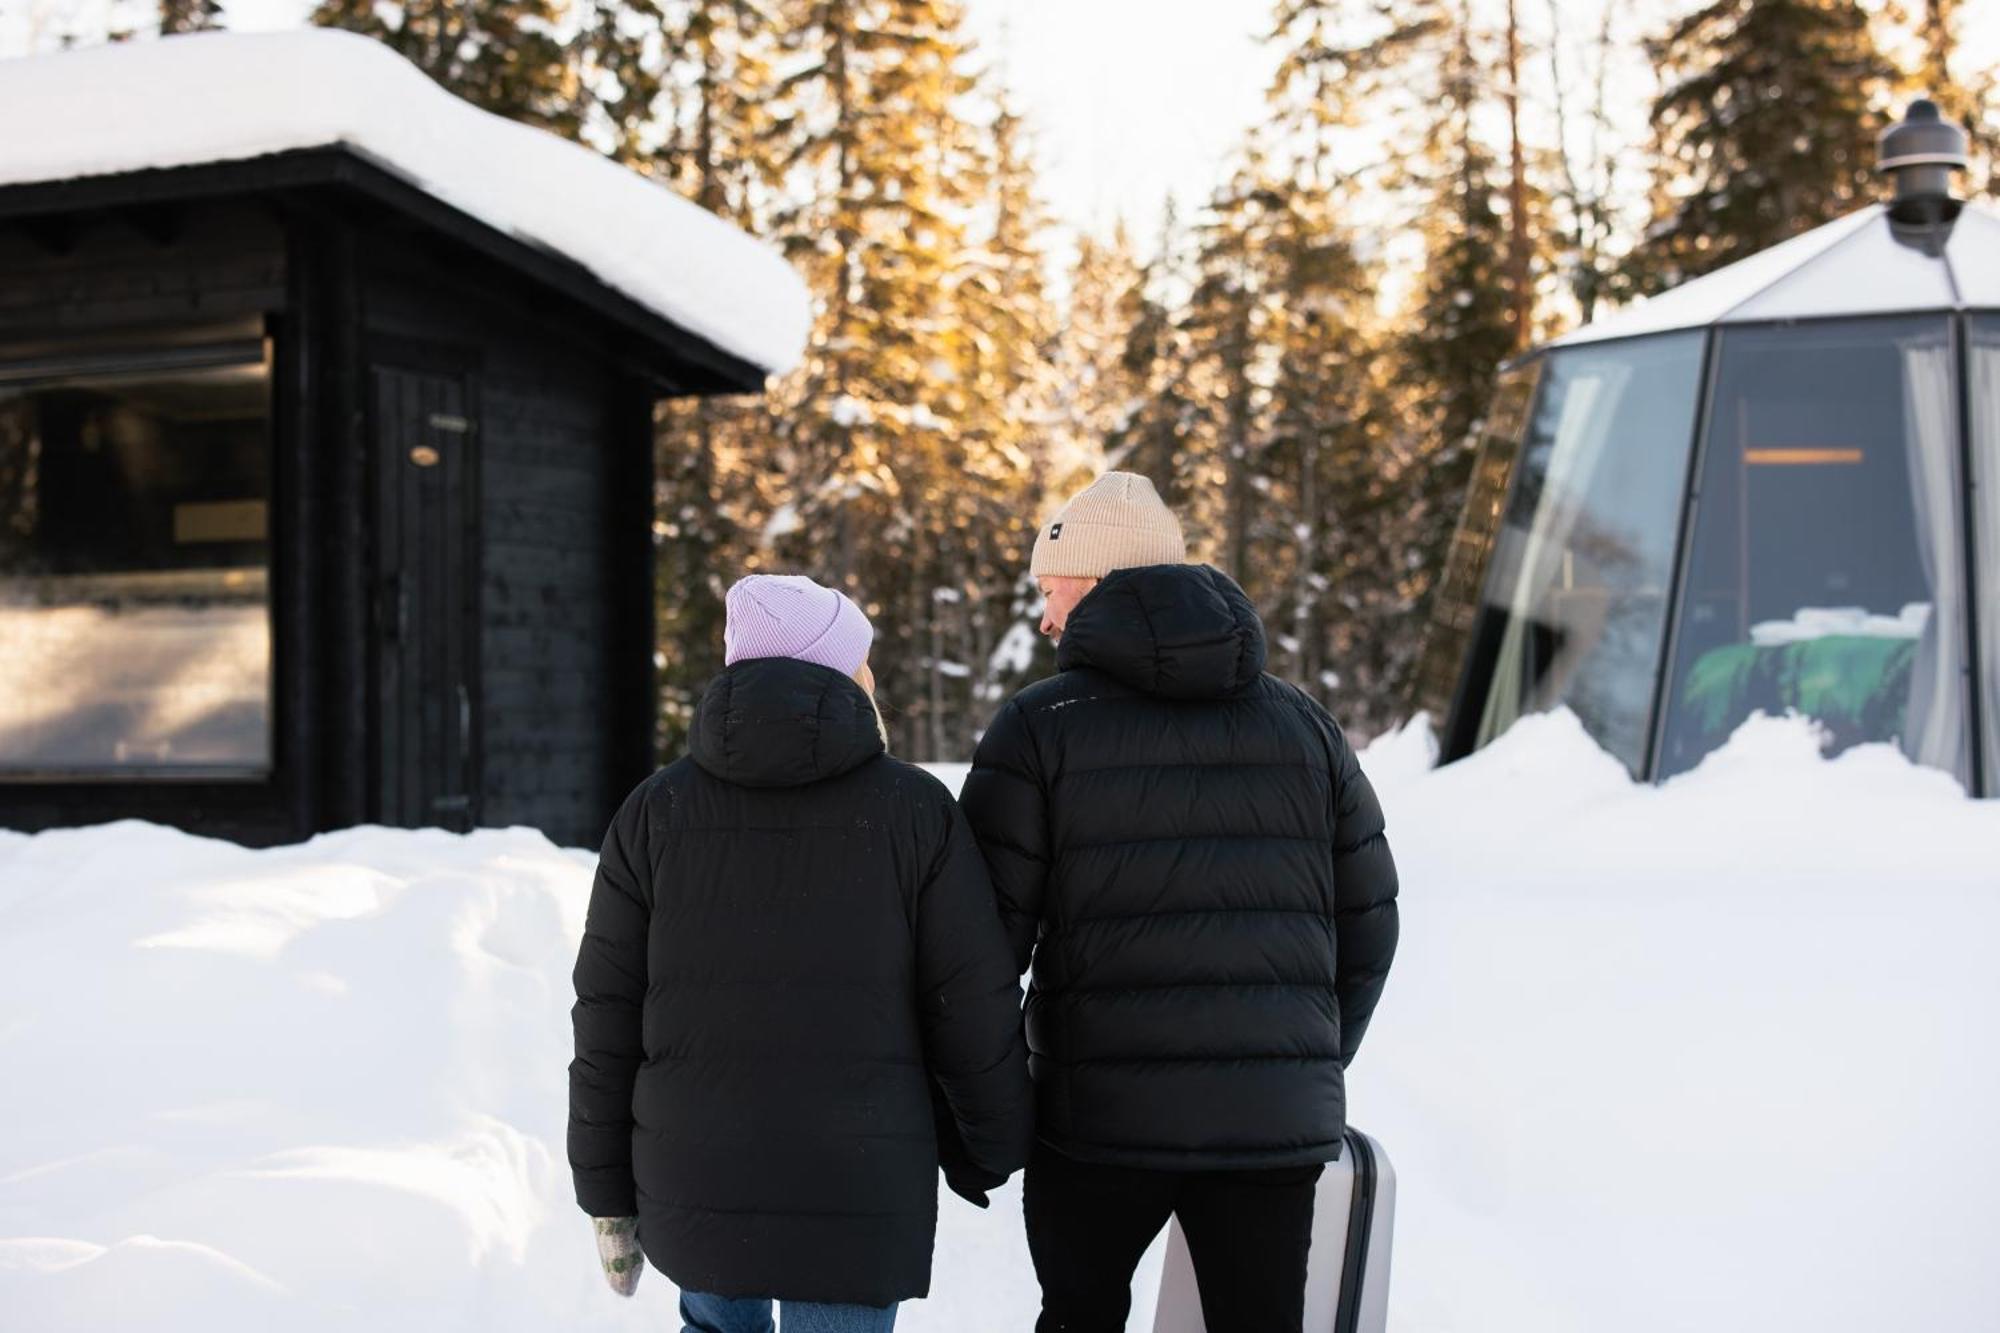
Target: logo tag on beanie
1055,532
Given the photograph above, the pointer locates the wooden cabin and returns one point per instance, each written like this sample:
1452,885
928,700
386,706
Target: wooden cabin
325,495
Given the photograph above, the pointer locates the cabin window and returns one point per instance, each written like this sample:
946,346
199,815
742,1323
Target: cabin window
1576,595
135,491
1827,534
1984,363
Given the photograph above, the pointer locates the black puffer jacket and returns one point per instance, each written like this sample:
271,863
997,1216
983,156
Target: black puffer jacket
1191,853
791,940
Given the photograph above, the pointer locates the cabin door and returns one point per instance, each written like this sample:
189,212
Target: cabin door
427,608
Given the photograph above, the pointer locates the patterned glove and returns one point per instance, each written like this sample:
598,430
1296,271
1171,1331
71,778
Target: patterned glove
618,1248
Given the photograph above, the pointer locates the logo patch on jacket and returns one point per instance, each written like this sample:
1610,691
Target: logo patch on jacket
1055,532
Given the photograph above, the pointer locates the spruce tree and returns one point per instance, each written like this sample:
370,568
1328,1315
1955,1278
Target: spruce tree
1938,71
1370,430
1328,580
1459,332
1013,450
502,55
1224,322
1097,392
1154,438
879,163
1584,199
1766,129
712,482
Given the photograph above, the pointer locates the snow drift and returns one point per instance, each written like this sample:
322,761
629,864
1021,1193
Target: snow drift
1711,1055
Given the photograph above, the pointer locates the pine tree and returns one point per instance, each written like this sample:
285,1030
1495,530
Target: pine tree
1937,70
1585,197
1520,245
1154,439
1006,397
875,150
1224,321
1375,504
1097,393
1334,561
711,471
1459,333
1765,130
502,55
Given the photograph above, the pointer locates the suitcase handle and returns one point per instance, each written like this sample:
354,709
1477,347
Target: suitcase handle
1360,1221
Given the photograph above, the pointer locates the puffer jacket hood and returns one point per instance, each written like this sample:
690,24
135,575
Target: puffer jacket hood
779,722
1175,631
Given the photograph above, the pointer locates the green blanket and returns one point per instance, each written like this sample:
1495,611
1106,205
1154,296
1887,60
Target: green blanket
1857,686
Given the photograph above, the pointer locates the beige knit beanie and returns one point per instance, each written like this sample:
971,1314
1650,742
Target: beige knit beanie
1116,522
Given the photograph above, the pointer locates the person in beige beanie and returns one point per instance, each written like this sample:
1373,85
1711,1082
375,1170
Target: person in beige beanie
1189,859
1116,522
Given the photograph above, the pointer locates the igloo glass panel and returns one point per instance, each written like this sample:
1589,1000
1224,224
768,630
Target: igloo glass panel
1826,575
1576,596
1985,399
133,570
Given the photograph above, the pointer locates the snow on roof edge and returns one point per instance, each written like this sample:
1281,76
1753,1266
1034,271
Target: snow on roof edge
1709,298
1717,297
207,98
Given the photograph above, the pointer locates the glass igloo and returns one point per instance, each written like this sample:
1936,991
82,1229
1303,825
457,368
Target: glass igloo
1773,489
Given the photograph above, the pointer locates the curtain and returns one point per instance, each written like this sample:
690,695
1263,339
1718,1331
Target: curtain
1934,731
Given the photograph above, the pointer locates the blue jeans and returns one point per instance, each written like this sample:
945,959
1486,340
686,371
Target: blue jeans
722,1314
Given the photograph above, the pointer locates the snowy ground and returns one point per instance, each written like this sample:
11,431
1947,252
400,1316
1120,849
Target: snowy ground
1714,1056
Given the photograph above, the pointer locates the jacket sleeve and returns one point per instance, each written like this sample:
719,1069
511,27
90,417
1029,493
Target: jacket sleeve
610,982
1006,803
969,1001
1364,896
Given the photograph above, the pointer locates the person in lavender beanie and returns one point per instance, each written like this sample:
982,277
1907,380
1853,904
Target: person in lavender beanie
795,999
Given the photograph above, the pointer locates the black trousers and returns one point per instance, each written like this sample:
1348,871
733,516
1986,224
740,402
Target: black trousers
1247,1232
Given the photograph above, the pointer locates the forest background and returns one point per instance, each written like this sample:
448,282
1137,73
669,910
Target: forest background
1300,358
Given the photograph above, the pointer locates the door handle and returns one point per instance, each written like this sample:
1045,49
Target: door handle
464,723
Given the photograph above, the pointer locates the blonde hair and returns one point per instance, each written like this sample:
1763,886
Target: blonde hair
867,688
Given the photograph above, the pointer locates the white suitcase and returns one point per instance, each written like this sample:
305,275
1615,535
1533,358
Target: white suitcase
1347,1270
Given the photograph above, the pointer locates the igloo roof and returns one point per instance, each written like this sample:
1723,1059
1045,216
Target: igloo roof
230,97
1851,266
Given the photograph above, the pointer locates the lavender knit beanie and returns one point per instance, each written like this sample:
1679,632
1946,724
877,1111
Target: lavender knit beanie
788,615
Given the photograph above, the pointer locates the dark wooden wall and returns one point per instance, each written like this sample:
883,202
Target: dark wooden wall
563,436
68,274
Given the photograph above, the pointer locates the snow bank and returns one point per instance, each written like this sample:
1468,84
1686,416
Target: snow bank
223,97
1711,1056
1714,1055
320,1087
307,1086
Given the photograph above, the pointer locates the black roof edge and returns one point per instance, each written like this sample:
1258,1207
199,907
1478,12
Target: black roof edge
701,366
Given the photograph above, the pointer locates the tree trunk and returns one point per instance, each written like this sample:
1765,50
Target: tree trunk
1519,269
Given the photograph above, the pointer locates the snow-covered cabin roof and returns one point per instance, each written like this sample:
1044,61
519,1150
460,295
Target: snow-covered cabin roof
1851,266
229,97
